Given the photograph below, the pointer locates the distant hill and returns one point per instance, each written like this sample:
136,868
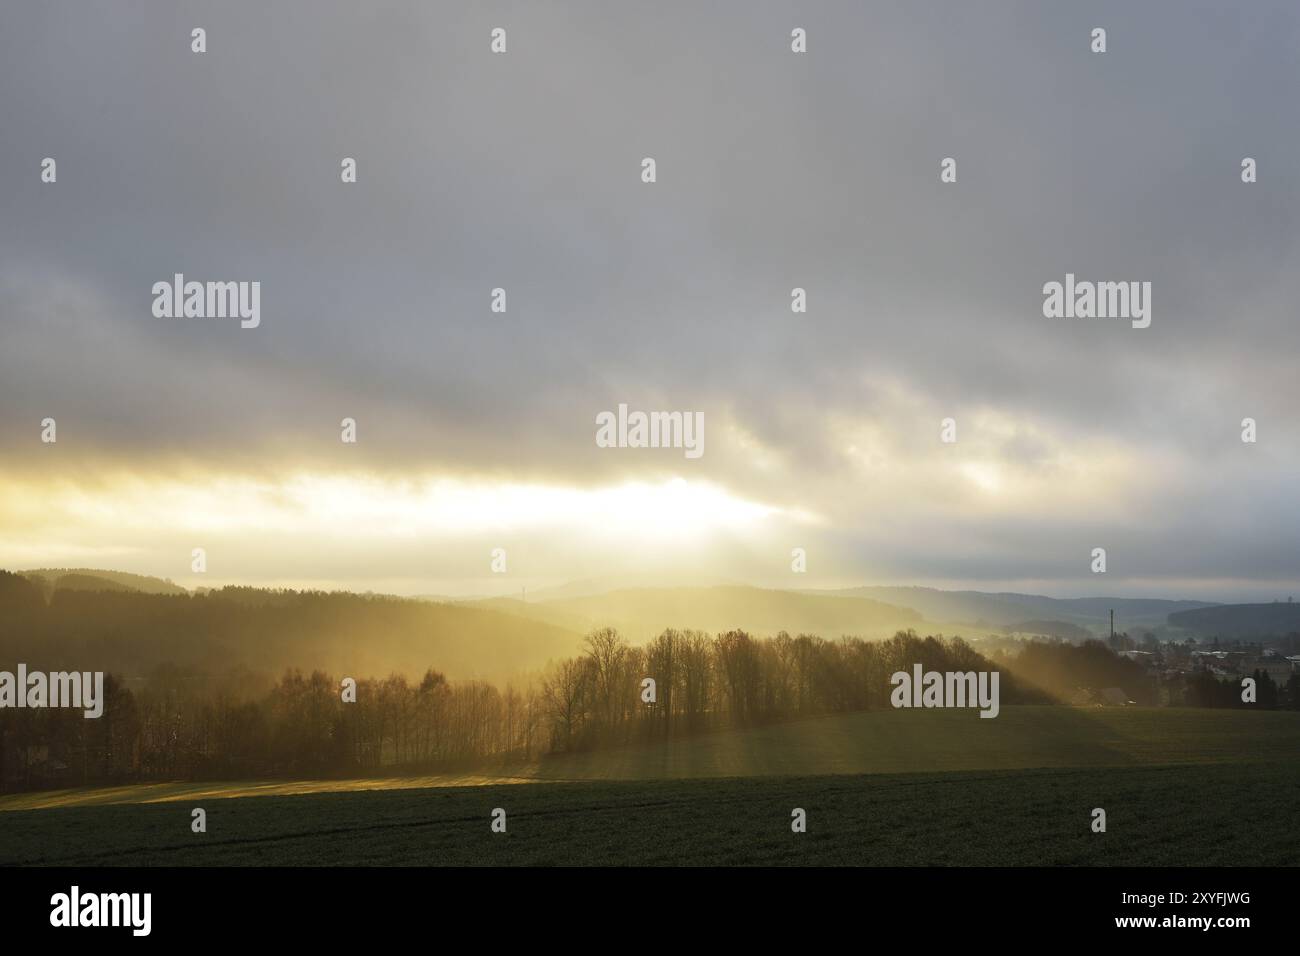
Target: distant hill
998,610
88,582
131,633
1060,629
642,613
1241,620
93,579
546,612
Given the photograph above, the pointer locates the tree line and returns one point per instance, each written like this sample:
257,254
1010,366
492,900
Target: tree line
179,724
1204,689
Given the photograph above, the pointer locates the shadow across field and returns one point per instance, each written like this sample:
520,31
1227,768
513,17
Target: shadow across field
911,741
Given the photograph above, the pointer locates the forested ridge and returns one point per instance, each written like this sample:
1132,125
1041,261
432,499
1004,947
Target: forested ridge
198,687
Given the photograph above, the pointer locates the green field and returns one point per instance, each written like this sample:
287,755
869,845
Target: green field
1180,787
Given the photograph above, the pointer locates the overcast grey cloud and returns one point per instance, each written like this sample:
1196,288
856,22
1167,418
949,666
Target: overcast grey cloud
774,171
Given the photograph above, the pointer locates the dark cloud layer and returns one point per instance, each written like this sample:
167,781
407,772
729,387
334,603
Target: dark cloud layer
775,171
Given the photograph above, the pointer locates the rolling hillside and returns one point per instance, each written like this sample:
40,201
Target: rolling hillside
642,613
1247,621
95,579
1010,609
130,634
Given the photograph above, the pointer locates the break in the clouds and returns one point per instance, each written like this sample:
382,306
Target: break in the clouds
774,171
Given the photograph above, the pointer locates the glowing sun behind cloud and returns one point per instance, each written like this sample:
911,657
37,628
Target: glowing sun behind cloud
333,526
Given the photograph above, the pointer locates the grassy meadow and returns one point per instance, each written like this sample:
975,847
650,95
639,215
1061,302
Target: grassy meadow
1180,787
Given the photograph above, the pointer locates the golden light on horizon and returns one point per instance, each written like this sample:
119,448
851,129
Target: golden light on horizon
122,514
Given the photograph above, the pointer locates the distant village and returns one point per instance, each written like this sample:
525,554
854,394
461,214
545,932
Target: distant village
1176,666
1197,671
1209,656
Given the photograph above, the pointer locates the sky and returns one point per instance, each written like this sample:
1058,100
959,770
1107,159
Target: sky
774,170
